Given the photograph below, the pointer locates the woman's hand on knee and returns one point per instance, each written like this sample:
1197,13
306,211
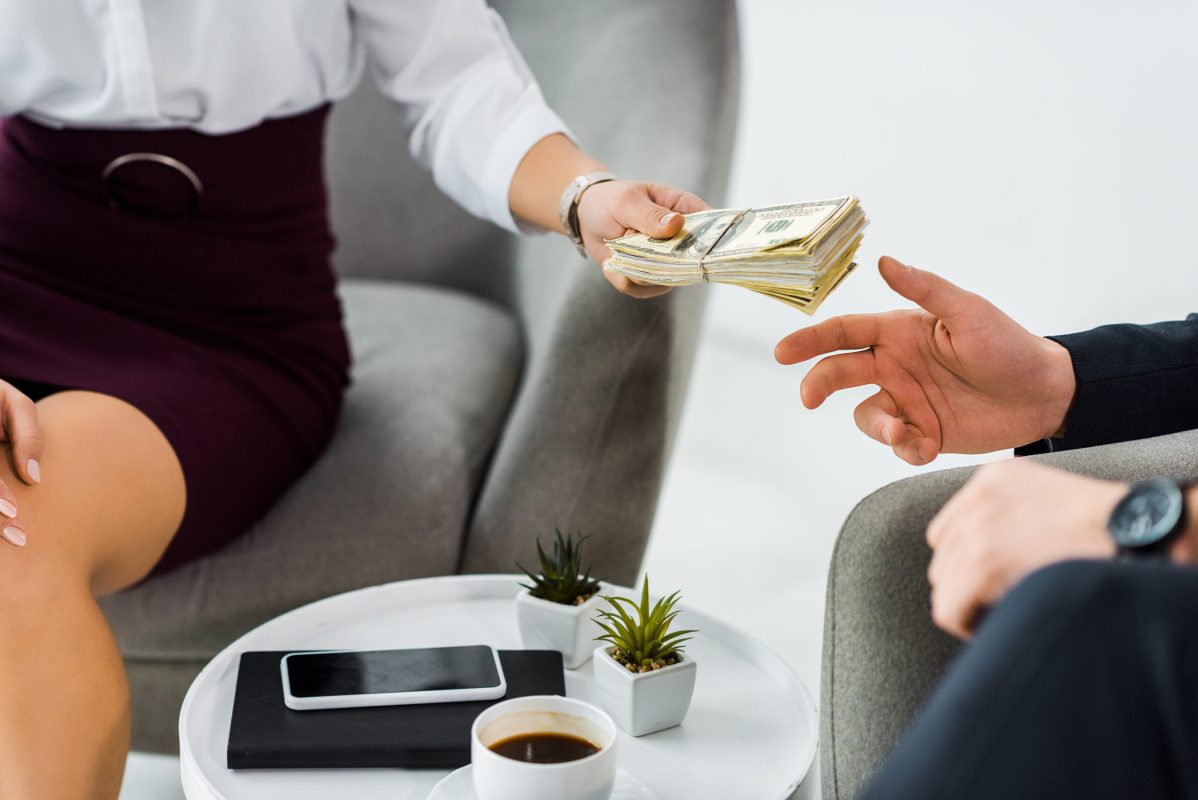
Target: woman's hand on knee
18,420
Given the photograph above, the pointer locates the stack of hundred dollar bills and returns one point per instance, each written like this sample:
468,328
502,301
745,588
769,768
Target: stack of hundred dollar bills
797,253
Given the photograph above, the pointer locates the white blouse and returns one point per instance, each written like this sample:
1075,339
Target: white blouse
471,106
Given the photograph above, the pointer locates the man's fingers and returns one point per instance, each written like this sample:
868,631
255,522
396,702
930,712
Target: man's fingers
919,441
848,332
961,593
926,289
639,212
24,435
947,520
877,417
917,451
951,584
631,288
955,610
940,566
963,570
949,517
941,524
834,373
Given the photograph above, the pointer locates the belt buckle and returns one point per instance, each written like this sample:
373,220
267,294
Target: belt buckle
197,186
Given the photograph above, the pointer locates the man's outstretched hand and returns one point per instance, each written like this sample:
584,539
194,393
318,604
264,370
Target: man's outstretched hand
955,376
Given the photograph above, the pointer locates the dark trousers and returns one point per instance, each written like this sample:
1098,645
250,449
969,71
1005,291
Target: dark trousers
1082,682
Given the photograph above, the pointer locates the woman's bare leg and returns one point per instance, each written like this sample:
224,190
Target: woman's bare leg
111,497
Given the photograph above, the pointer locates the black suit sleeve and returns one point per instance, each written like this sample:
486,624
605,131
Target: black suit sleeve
1133,382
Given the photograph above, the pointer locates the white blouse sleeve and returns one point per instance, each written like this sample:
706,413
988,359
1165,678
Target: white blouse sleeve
471,105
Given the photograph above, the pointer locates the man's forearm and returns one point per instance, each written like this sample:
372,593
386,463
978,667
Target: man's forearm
1132,382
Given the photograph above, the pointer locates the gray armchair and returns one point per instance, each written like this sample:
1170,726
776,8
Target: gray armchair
501,387
882,655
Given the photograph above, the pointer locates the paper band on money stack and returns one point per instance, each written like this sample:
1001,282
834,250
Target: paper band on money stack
797,253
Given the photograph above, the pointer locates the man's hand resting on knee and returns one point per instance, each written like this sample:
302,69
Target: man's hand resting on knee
1012,518
958,376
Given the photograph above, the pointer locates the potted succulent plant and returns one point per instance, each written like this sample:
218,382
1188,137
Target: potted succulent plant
557,611
645,680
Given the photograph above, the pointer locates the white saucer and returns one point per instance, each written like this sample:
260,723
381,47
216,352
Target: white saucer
458,785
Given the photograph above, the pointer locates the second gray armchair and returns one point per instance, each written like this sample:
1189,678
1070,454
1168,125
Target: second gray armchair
882,654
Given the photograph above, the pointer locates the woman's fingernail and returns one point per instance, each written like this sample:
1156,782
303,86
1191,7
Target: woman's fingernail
8,509
886,436
668,218
34,469
14,535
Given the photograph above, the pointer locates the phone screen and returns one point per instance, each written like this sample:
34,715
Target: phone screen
392,671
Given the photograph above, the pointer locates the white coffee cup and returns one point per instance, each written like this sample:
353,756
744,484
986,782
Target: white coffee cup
498,777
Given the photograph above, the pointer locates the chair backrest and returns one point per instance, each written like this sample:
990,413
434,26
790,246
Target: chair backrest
390,219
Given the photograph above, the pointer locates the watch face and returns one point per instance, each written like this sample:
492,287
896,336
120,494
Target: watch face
1147,514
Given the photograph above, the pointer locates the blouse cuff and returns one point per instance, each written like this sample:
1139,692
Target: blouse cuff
528,125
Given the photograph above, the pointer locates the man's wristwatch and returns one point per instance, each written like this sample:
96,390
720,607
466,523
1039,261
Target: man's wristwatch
1150,516
567,207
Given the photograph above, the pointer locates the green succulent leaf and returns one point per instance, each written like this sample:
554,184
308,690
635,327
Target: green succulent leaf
640,632
562,578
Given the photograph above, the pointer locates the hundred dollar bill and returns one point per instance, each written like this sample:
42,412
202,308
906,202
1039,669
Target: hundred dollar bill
797,253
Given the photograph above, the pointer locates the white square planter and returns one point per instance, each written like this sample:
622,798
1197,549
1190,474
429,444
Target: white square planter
570,630
644,702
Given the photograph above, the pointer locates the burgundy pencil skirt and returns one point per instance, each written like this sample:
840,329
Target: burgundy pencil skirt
193,283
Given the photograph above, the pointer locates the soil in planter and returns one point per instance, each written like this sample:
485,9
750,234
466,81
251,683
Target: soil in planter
544,748
660,663
577,601
585,597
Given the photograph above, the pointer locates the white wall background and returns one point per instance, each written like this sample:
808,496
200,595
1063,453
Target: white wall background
1040,153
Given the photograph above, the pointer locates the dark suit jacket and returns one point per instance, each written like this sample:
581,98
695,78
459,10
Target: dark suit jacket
1133,381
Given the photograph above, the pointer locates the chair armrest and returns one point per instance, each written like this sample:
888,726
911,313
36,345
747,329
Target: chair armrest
882,655
589,434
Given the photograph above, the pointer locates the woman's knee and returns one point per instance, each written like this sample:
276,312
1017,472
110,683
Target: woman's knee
37,578
111,495
38,551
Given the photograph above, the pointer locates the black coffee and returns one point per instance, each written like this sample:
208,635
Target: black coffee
545,748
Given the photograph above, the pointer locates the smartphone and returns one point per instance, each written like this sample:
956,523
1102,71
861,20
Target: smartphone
354,678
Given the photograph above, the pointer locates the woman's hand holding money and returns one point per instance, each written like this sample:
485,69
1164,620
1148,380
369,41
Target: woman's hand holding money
619,208
606,210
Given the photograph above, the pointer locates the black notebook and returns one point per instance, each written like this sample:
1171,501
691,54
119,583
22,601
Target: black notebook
266,734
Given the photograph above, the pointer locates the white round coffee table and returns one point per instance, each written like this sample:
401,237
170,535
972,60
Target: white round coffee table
751,731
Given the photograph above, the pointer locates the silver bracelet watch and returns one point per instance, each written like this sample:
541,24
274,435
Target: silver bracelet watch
567,207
